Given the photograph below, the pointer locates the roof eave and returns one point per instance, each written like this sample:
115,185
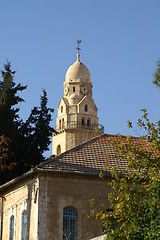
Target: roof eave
17,179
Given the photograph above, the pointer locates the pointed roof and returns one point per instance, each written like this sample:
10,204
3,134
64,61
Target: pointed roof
85,98
89,159
64,100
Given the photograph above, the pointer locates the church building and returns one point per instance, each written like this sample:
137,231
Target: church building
51,201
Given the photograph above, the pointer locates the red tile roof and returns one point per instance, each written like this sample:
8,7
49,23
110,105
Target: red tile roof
89,158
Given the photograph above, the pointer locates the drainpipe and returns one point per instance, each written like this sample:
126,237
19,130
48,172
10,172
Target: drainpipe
2,199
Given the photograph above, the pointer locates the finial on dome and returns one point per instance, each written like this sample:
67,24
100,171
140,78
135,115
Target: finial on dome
78,48
78,57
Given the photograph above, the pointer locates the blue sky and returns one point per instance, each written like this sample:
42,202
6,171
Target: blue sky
120,47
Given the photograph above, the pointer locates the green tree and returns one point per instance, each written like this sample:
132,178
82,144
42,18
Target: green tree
135,193
9,117
156,80
28,140
36,134
6,156
10,121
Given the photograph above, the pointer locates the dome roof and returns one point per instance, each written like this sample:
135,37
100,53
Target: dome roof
77,72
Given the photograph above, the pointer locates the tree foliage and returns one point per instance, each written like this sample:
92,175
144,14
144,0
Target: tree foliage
156,80
6,156
26,141
135,194
135,199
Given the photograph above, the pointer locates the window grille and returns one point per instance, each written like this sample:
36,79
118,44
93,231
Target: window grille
24,225
11,228
69,223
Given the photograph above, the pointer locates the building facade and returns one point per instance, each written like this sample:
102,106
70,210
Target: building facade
51,204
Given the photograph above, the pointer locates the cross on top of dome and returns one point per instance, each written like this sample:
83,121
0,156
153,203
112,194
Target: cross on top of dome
78,48
78,43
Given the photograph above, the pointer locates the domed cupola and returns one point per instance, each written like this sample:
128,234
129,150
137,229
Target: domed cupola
78,72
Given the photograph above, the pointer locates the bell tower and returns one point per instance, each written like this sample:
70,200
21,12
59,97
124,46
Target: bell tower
77,119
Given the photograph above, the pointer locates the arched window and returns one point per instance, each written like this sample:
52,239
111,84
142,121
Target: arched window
58,149
88,122
74,89
60,124
24,225
83,121
61,109
11,237
86,108
69,223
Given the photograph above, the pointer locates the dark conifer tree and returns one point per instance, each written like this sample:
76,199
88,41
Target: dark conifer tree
37,133
9,98
7,162
26,141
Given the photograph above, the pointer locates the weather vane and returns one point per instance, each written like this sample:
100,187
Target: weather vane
78,43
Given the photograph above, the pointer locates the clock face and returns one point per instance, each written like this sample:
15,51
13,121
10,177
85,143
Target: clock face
84,89
66,90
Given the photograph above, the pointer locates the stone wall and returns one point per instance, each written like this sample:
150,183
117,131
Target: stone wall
59,192
44,199
20,198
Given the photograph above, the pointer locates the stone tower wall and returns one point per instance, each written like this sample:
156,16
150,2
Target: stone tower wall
77,119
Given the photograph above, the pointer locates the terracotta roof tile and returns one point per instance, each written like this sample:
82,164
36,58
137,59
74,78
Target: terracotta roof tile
90,157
